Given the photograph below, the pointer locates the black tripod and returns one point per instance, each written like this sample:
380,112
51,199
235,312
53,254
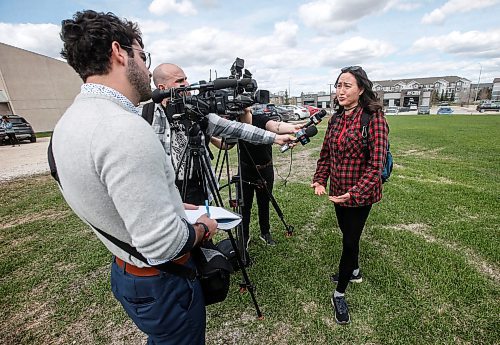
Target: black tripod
196,163
238,202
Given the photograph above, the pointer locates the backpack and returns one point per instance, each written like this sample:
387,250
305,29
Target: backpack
148,110
147,114
389,163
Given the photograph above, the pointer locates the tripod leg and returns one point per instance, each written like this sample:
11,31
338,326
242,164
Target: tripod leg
247,282
288,227
209,180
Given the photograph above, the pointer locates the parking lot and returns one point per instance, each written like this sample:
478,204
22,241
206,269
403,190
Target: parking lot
26,159
471,110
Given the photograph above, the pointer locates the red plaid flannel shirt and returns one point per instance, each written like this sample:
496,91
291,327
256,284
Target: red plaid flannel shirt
345,163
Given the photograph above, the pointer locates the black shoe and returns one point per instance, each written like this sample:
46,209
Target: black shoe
354,279
268,239
341,310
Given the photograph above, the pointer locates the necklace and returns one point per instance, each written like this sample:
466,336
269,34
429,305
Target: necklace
351,108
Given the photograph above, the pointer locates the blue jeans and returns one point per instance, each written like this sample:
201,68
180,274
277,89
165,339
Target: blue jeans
168,308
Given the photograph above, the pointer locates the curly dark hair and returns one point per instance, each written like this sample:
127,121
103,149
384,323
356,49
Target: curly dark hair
368,99
88,37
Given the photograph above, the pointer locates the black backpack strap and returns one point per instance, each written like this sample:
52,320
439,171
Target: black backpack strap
52,163
148,110
169,267
365,123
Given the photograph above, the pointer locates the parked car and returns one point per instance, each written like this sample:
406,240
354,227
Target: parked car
299,113
312,110
413,107
445,110
268,109
488,106
392,111
403,109
423,110
22,128
285,114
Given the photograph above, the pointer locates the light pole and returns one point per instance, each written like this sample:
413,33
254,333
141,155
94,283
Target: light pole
331,95
478,81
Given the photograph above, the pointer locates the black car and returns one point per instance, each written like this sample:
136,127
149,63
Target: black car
285,114
22,128
267,109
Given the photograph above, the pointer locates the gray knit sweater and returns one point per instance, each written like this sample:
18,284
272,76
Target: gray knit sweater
115,175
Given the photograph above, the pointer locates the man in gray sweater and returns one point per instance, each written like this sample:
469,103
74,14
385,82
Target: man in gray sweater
115,176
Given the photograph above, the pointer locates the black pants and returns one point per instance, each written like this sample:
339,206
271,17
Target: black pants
195,193
351,222
253,183
13,139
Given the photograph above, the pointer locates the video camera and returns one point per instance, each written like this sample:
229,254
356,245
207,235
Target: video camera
226,96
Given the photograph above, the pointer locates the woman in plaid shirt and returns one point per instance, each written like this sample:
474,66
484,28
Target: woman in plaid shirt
355,175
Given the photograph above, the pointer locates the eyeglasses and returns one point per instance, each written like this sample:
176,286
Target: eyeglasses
145,56
350,69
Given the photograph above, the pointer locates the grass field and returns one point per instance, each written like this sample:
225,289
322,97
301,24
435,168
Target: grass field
430,255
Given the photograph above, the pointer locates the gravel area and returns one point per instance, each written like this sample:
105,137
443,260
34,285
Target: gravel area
24,160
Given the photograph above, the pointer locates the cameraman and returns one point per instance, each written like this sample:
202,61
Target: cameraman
173,134
114,175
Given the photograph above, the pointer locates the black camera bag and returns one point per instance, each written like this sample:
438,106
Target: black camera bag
213,270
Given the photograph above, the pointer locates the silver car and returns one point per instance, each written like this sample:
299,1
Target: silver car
299,113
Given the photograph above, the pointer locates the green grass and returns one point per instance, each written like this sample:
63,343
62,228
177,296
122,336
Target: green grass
43,134
429,253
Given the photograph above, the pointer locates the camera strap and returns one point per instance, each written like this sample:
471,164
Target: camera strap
168,267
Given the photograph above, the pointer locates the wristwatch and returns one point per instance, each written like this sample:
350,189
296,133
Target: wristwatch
206,235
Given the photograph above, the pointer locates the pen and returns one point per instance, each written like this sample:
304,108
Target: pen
207,208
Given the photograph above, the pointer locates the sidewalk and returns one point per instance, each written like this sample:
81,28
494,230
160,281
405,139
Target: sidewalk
24,160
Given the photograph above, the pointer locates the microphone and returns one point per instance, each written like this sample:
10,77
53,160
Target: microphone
158,95
302,136
316,118
219,84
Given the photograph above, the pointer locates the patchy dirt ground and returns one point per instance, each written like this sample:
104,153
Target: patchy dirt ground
24,160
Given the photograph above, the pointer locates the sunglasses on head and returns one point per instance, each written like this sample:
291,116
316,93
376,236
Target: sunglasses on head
350,69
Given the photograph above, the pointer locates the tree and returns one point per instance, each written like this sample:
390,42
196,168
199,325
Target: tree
484,93
434,97
286,97
452,96
442,96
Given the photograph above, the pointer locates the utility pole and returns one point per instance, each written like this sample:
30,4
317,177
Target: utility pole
478,81
331,100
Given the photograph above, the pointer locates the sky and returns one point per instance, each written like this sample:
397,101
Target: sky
299,46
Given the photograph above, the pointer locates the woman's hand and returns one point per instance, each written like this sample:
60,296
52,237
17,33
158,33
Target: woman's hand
318,188
340,199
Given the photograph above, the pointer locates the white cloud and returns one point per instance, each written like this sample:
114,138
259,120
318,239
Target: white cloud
162,7
286,33
484,44
338,16
353,51
152,26
438,16
403,5
40,38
